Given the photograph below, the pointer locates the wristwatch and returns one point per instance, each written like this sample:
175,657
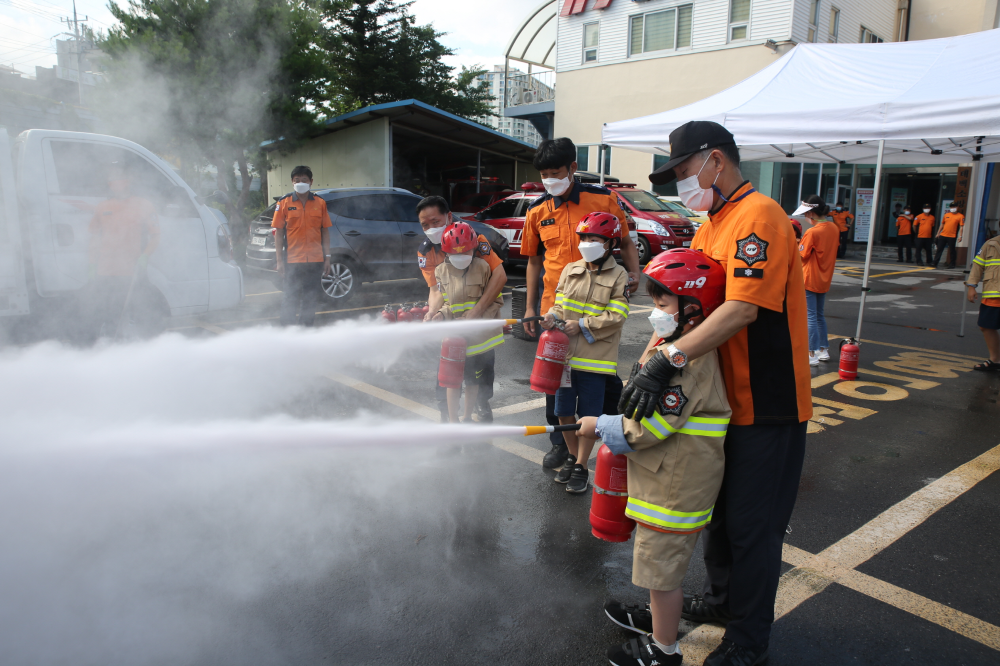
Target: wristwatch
677,358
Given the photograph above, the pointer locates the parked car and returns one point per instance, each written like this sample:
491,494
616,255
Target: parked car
50,184
507,217
696,218
375,236
659,227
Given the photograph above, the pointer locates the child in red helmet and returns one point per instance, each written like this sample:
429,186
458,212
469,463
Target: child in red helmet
675,457
592,298
462,280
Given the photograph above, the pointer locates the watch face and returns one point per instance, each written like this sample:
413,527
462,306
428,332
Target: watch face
678,358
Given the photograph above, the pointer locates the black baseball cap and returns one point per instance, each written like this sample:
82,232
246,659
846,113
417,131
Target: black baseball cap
688,139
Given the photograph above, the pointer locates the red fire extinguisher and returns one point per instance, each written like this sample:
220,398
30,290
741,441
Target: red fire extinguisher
389,313
550,361
419,311
451,370
849,352
607,506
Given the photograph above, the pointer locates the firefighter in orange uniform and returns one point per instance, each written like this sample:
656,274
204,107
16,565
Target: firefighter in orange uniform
904,235
124,231
434,216
549,241
924,226
844,220
762,338
952,225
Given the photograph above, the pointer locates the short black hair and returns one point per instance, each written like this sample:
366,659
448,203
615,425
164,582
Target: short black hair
433,200
302,171
927,206
731,152
554,154
655,289
820,207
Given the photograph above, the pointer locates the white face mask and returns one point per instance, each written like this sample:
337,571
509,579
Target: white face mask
906,212
664,324
435,234
927,210
953,210
693,195
556,186
301,188
460,261
592,251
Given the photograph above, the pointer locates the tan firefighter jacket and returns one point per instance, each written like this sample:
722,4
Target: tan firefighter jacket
675,458
461,290
986,268
600,303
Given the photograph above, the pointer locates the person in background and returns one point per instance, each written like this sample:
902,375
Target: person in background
463,281
123,232
763,342
924,226
845,220
904,235
549,242
592,298
434,216
818,250
302,227
952,225
986,269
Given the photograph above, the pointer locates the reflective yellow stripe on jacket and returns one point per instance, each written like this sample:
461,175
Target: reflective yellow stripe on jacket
696,425
462,307
620,307
675,521
495,341
592,365
986,262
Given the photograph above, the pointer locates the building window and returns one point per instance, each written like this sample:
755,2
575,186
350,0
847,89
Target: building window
670,189
834,24
739,20
607,160
869,37
591,38
582,158
658,31
813,20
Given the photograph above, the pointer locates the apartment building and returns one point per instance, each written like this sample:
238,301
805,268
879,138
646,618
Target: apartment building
515,87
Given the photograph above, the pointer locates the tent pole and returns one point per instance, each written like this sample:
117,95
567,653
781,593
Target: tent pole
600,162
871,237
836,186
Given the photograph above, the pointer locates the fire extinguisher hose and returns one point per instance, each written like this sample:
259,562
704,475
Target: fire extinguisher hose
511,322
541,430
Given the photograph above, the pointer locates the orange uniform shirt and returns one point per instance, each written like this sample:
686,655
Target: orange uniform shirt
766,364
120,231
904,226
925,225
303,225
818,250
430,256
951,223
841,219
550,228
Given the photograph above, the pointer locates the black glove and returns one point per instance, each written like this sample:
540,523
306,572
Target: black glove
647,387
629,388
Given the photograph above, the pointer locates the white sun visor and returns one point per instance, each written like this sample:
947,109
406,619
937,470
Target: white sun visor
803,208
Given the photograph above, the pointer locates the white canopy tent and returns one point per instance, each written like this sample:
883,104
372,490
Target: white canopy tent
925,102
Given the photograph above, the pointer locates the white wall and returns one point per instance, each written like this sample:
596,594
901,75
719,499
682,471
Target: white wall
879,16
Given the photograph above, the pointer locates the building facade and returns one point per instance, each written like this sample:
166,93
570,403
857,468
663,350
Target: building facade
513,87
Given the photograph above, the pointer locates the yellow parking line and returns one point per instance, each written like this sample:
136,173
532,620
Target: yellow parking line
831,336
263,293
912,270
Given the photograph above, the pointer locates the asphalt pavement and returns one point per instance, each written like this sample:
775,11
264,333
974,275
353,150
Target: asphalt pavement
472,555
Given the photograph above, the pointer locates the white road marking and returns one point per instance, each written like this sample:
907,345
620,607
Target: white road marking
527,405
907,281
900,301
951,285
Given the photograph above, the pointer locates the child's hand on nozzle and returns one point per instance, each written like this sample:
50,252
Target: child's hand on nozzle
588,427
571,327
548,322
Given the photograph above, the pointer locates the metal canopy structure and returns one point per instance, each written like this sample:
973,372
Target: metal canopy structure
534,42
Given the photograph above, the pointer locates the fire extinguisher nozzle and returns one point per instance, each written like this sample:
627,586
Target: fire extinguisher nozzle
511,322
541,430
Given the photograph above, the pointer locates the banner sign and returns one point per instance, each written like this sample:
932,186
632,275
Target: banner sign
862,213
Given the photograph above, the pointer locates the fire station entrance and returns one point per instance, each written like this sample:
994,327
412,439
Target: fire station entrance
917,187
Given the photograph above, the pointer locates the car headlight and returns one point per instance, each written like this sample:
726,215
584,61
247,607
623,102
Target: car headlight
658,229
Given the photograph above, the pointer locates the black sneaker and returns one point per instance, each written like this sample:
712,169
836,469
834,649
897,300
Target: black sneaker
697,610
484,413
730,654
578,480
642,652
634,617
562,476
556,456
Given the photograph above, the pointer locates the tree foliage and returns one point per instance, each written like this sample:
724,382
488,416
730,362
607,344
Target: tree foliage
210,80
377,54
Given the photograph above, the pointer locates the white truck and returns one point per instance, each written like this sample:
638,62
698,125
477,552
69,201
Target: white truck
50,182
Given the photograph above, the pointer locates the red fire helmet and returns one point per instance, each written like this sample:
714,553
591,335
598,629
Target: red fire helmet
689,274
458,237
600,224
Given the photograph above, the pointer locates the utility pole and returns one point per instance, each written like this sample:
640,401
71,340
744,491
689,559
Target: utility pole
75,22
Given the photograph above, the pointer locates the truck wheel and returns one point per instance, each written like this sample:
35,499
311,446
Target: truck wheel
645,254
342,283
